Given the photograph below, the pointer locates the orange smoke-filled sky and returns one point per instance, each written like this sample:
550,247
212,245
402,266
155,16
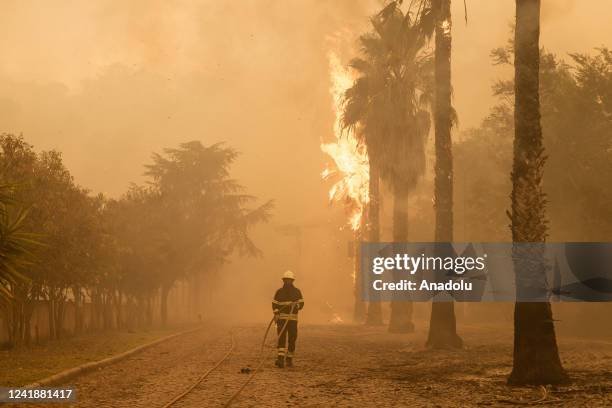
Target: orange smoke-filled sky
108,82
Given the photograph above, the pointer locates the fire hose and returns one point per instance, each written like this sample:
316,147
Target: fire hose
261,352
203,377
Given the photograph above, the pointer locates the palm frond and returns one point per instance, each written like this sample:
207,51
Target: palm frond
15,245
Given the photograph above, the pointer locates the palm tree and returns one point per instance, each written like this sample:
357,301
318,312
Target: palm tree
14,244
386,106
536,356
442,327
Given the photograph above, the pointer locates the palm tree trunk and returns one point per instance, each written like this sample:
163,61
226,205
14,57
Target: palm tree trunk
442,326
536,356
400,320
359,310
374,313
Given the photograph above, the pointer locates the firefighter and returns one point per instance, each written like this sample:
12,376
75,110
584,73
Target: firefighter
286,304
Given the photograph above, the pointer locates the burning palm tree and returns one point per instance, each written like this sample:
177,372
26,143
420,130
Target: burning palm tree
385,107
351,169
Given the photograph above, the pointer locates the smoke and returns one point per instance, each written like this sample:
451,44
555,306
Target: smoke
122,79
108,82
555,9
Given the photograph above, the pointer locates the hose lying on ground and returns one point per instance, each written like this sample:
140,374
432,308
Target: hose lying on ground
263,358
188,390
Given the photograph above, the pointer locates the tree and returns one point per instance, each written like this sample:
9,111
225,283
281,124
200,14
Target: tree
14,242
574,100
442,326
135,224
188,221
203,215
61,214
15,245
536,356
15,255
61,207
386,105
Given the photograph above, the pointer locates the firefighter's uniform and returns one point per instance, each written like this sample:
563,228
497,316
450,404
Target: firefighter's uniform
287,303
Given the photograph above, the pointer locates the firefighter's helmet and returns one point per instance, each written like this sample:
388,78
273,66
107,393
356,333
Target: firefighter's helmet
289,275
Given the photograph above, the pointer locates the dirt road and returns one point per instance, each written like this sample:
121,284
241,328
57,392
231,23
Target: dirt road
345,366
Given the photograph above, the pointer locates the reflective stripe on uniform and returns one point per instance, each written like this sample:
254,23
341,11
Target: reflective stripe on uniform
288,316
281,351
289,354
287,303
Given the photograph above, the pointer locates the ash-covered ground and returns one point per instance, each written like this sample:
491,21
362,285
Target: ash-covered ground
346,366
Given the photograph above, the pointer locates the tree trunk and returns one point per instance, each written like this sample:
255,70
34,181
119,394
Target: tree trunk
94,310
78,309
536,356
18,315
28,311
374,312
118,309
196,295
51,305
10,323
107,309
149,310
14,322
59,318
100,309
359,310
442,325
131,313
142,310
59,310
165,290
400,320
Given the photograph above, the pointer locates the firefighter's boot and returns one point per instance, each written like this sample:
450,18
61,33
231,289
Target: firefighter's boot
280,362
289,361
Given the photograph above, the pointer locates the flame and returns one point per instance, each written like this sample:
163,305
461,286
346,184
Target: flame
446,27
336,319
350,157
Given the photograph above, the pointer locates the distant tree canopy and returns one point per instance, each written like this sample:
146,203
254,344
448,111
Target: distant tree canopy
576,99
188,219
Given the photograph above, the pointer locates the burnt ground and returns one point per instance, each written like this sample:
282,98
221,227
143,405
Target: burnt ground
347,366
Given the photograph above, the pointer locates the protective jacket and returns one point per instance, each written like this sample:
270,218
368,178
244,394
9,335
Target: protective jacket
283,298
